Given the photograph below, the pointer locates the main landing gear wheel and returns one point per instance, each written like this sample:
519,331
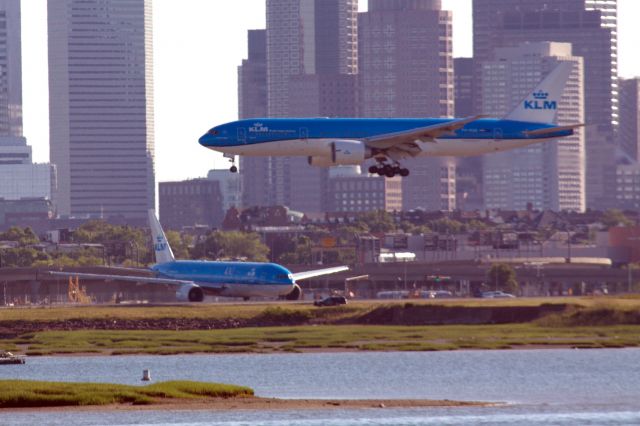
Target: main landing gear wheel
388,170
233,169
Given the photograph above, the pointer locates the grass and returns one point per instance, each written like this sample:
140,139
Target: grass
21,393
221,311
213,311
327,337
586,322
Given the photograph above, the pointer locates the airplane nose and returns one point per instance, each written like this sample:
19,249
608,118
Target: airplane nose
203,140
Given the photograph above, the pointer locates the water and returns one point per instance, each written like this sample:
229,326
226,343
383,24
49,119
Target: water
539,387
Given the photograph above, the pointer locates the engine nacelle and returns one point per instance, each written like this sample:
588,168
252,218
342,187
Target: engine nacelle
341,153
296,293
190,293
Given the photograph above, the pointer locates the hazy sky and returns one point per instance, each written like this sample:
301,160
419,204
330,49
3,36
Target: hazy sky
197,48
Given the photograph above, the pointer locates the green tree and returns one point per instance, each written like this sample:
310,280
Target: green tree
615,217
346,234
24,236
179,244
502,277
377,221
232,245
476,225
447,226
21,257
299,252
121,242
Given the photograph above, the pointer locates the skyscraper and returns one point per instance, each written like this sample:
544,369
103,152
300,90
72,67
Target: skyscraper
311,62
549,175
252,77
19,178
101,106
468,169
406,70
10,69
308,37
629,134
591,27
463,87
252,103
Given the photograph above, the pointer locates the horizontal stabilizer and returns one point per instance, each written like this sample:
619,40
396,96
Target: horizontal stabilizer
546,130
318,272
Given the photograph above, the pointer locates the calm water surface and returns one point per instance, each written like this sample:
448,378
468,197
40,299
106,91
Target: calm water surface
540,387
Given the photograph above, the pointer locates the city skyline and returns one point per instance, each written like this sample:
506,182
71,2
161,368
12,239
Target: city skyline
207,73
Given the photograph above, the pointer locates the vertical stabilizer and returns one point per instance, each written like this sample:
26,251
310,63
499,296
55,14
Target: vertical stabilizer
160,244
541,104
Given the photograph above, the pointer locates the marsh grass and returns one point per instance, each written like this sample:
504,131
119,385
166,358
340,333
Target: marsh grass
290,313
586,322
330,337
19,393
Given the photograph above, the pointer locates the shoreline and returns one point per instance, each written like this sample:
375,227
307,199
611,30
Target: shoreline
108,353
258,403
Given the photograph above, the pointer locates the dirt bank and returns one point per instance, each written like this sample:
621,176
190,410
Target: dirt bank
256,403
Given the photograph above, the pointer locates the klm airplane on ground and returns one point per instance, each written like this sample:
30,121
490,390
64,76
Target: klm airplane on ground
194,279
330,142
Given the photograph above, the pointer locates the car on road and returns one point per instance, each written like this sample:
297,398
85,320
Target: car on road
496,295
331,301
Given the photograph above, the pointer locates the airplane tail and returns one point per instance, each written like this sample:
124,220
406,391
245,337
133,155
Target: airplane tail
541,105
160,244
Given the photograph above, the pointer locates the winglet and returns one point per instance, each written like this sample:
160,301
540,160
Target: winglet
160,244
541,104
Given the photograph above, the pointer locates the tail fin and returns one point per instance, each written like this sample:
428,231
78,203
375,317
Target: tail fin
541,105
160,243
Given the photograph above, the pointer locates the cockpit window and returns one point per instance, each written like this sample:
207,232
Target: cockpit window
213,132
282,276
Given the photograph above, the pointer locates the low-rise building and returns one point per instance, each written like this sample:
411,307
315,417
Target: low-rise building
32,212
189,203
362,193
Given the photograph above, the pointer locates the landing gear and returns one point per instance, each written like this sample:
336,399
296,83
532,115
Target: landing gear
388,170
232,159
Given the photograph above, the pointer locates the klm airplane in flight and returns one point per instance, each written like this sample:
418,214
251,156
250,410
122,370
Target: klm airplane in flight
330,142
194,279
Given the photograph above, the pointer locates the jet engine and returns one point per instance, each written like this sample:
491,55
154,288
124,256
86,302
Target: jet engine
190,293
342,153
296,293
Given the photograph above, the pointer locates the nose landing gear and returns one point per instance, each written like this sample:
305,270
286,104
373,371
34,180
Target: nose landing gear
232,159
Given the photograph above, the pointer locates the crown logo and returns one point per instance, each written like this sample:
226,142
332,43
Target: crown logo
540,95
258,124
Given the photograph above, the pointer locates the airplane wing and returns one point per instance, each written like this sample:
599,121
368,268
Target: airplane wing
408,137
543,131
110,277
318,272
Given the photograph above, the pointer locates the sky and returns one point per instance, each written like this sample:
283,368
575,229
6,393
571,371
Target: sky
197,49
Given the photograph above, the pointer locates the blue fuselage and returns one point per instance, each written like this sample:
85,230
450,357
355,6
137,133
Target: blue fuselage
229,278
265,130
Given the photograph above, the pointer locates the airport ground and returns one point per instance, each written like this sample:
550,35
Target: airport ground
581,322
